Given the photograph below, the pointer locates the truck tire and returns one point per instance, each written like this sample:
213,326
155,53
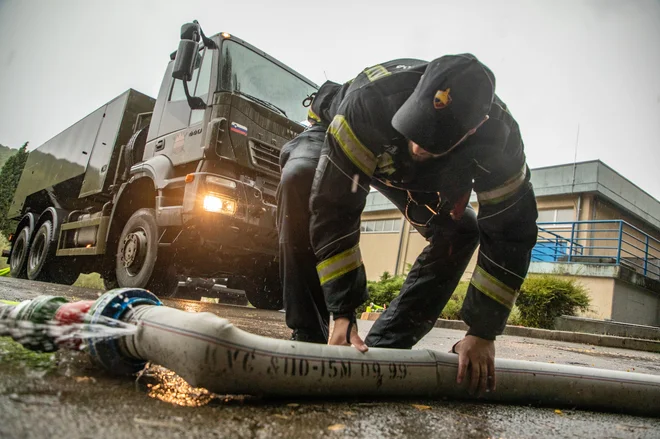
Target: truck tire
41,253
40,263
139,262
19,252
262,292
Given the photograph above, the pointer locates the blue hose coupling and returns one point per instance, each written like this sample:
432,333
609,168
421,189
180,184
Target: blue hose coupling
113,306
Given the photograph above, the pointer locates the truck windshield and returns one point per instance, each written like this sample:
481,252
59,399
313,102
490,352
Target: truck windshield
247,72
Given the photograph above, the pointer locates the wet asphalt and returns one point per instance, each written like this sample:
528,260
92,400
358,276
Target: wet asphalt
73,399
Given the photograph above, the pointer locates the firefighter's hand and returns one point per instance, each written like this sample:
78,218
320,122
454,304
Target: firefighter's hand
477,356
338,336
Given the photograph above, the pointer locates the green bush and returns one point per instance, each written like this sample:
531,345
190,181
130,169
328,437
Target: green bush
91,280
514,317
452,310
543,298
383,291
4,244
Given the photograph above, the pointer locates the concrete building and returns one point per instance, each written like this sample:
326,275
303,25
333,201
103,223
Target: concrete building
593,223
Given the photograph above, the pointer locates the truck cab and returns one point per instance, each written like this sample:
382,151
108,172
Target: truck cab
191,185
212,155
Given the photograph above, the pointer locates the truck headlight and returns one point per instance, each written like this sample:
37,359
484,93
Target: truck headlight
220,204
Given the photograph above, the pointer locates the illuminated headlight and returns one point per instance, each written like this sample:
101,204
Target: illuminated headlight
220,204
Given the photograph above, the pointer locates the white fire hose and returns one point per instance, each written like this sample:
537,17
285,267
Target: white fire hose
208,351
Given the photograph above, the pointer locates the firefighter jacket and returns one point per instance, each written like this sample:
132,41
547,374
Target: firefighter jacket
361,145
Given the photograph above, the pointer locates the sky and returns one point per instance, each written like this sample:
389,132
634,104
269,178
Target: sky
562,66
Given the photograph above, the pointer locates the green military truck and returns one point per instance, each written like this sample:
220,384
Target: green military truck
142,189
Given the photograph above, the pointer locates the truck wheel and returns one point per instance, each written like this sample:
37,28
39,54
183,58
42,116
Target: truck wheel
263,293
19,252
139,264
41,252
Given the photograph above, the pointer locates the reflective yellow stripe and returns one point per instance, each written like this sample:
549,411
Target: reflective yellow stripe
504,191
312,115
339,265
385,164
352,147
376,72
493,288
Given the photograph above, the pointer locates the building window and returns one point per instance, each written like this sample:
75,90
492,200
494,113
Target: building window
555,216
381,226
377,201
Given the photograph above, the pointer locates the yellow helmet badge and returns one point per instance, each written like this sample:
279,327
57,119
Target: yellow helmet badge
441,99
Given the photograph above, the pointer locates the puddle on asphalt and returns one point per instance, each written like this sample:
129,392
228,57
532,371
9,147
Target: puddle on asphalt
167,386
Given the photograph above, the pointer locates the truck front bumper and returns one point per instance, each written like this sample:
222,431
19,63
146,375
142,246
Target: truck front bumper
221,214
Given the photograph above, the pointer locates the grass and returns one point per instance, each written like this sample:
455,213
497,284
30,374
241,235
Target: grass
3,245
12,353
91,280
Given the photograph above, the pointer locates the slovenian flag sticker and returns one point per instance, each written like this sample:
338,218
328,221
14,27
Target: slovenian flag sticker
238,128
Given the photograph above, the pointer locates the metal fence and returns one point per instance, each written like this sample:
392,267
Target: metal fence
603,242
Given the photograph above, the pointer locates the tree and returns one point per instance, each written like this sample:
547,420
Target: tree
9,177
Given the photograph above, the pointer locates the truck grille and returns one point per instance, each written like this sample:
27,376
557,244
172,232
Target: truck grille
268,189
264,156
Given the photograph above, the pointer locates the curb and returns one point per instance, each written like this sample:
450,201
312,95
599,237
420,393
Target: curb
609,341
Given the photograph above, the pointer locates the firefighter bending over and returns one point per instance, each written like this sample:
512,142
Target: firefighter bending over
425,135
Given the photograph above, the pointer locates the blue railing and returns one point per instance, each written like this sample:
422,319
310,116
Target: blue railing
603,242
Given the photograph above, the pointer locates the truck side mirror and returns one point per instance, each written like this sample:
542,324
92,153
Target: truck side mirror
186,55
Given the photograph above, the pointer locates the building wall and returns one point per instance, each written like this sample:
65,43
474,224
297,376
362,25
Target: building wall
416,243
379,252
382,214
582,192
380,255
603,210
633,304
601,293
557,202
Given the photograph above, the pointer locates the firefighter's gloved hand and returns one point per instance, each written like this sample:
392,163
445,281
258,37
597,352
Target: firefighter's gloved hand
345,333
478,356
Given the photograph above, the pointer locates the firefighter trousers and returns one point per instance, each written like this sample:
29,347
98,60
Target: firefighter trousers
432,278
304,303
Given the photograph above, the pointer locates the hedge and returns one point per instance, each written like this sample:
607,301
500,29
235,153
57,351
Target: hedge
542,298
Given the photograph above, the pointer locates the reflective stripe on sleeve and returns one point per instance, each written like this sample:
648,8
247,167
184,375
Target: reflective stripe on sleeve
376,72
504,191
352,147
493,288
339,265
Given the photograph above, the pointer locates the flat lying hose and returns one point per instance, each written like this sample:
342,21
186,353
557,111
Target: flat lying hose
208,351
